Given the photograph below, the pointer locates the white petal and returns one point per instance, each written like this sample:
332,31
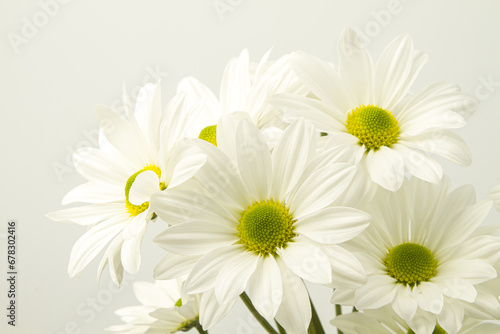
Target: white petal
451,318
377,292
320,189
211,312
443,143
122,134
386,168
144,185
347,270
147,112
392,71
92,242
265,287
100,166
181,205
235,84
173,266
404,304
227,125
321,78
458,289
324,117
254,160
446,119
204,273
131,251
234,275
195,92
429,297
473,271
148,293
293,152
356,68
307,261
195,238
333,225
294,314
185,161
419,164
87,214
423,322
96,192
113,258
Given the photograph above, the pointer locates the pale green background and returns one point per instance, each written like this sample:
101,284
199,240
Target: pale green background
83,53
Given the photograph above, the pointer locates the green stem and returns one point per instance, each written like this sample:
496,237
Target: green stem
354,309
338,311
315,326
200,329
280,328
263,322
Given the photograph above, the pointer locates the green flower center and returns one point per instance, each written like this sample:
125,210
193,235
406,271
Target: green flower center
133,209
265,226
437,330
209,134
373,126
410,264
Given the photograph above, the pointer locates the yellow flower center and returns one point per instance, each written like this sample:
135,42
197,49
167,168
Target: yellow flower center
373,126
265,226
411,264
209,134
133,209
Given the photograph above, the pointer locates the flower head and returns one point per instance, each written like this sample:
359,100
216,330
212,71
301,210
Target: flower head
165,308
425,256
137,156
261,222
369,113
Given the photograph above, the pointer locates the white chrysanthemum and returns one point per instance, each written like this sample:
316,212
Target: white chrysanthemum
165,309
136,157
424,257
245,86
261,221
368,111
385,321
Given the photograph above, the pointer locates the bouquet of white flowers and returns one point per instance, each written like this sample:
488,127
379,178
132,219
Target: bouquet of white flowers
299,171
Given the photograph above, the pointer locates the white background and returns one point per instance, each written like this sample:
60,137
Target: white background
80,55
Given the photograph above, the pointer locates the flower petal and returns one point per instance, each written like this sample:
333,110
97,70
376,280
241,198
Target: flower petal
307,261
173,266
254,160
293,152
333,225
204,273
195,238
92,242
377,292
294,314
144,185
320,189
386,168
265,287
234,275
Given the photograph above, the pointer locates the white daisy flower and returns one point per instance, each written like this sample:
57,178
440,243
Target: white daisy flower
422,256
246,86
385,321
136,157
262,221
368,111
165,309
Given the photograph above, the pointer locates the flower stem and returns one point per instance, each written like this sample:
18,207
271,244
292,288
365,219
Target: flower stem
338,311
280,328
263,322
315,326
200,329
